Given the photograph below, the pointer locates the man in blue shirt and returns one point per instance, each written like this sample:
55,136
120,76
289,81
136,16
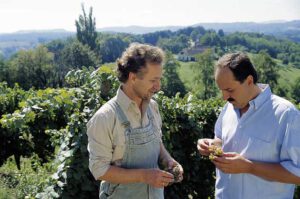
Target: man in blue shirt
259,133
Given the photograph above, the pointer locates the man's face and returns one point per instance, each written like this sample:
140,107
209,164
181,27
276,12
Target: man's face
147,84
233,91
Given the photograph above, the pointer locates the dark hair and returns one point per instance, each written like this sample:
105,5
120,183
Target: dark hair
240,65
135,57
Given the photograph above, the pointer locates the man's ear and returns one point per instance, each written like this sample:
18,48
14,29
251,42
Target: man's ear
250,80
132,76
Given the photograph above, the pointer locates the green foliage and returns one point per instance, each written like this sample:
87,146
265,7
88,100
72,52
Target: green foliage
75,55
211,38
110,47
171,83
295,92
185,120
152,38
86,29
25,183
204,73
174,44
24,130
3,69
73,178
90,48
286,50
32,68
266,68
10,97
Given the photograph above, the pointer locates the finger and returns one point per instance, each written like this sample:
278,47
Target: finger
180,178
203,151
221,160
181,170
167,175
230,154
219,164
207,142
203,143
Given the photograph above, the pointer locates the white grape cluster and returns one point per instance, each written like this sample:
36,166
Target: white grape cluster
215,151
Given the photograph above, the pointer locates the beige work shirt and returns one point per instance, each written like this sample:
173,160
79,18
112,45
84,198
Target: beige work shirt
106,139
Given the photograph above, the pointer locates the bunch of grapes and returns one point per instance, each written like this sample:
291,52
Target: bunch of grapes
215,151
176,173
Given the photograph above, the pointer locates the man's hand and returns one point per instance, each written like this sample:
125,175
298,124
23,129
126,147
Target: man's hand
203,146
178,170
233,163
169,163
157,178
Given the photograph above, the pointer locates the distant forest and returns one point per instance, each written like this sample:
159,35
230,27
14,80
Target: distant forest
46,64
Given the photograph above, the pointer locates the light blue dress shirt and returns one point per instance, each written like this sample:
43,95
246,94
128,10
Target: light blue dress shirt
268,132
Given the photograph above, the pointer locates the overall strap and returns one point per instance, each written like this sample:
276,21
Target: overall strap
150,114
119,112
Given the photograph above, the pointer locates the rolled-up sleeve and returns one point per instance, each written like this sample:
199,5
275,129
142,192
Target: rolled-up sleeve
100,146
290,151
157,116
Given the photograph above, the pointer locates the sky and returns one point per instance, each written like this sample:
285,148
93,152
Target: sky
16,15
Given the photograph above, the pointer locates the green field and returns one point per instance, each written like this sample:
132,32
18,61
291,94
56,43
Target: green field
288,75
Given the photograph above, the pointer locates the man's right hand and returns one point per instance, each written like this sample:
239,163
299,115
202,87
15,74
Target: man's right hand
202,146
157,178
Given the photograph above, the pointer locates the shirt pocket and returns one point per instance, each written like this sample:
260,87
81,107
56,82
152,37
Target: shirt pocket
263,150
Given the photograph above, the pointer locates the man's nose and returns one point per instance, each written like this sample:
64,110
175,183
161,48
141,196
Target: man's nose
157,86
225,95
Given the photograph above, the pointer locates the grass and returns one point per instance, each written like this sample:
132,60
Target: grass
185,73
24,183
288,75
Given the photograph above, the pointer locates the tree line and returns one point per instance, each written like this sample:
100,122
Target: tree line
46,65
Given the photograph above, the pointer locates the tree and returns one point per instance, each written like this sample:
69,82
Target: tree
211,38
3,70
33,68
76,55
86,29
61,69
221,33
174,44
267,69
171,83
295,92
110,48
204,71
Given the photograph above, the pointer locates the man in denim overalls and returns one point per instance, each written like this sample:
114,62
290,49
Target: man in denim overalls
124,136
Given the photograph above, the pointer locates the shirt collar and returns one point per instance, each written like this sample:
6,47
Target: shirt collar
123,99
263,96
125,102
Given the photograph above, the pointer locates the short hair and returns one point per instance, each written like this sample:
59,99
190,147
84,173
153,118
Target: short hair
135,57
240,65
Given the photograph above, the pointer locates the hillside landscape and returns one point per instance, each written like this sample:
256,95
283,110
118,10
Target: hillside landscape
12,42
52,83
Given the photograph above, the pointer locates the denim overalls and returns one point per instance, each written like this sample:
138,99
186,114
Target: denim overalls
142,151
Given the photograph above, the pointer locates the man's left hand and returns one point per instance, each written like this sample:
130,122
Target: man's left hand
232,163
173,163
